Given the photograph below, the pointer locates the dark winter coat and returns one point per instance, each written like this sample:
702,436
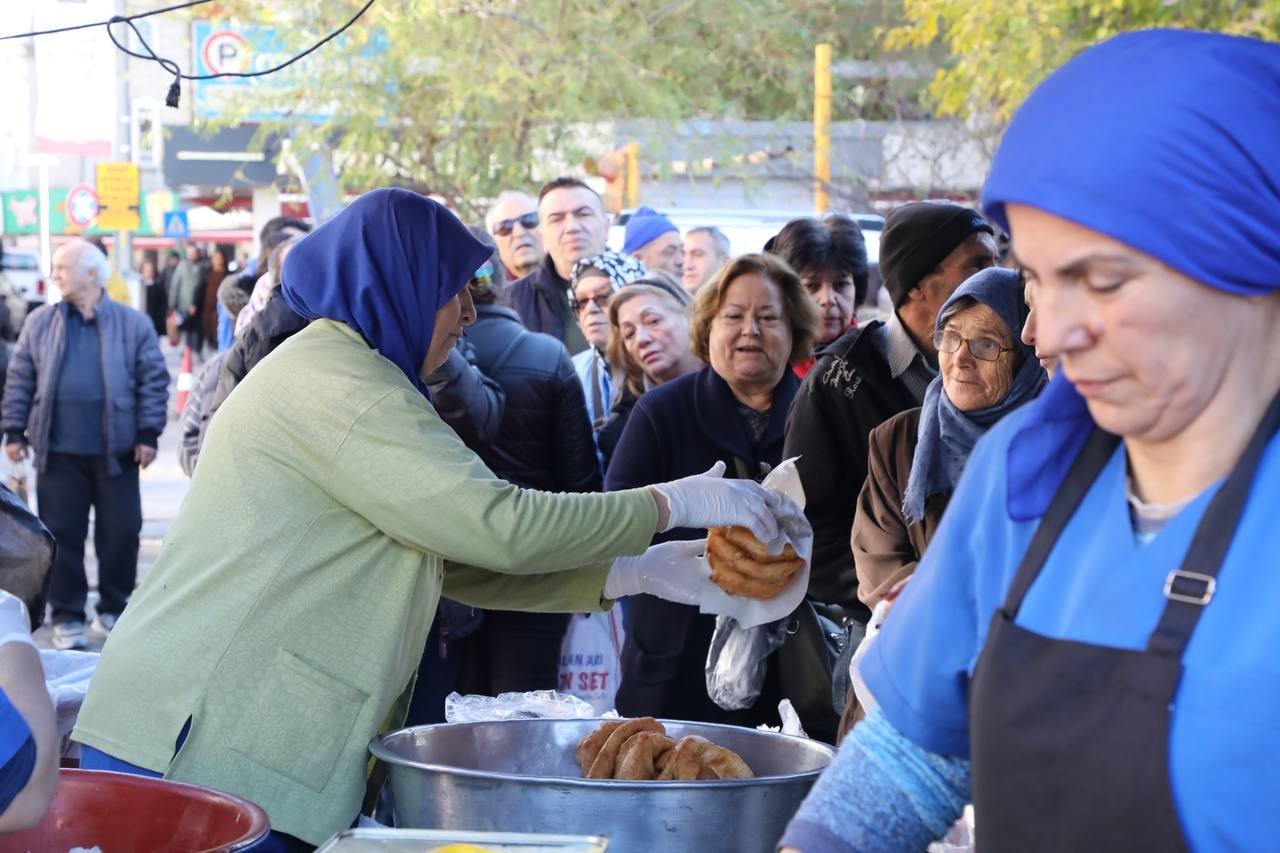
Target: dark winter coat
680,428
467,400
849,392
540,300
135,380
545,439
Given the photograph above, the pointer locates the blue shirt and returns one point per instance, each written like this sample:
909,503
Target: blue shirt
17,752
1100,586
79,397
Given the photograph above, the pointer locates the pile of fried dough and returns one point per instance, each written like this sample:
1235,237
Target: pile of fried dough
741,565
640,750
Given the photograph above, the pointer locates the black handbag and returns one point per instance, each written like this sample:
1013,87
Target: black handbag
815,638
27,551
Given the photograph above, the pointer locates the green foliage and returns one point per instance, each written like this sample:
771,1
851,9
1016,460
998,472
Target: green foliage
1000,49
471,96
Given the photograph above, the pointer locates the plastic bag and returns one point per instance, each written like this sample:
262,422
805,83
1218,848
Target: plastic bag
66,678
537,704
738,659
865,700
591,658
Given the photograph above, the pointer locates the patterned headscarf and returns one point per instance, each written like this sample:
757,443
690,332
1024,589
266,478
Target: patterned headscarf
620,269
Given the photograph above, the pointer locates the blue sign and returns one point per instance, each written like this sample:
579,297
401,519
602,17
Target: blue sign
222,47
175,224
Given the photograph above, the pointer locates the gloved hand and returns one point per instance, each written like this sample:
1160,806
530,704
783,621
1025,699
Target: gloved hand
15,625
709,500
671,570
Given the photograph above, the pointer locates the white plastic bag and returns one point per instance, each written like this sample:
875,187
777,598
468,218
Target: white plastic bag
66,677
536,704
865,700
591,658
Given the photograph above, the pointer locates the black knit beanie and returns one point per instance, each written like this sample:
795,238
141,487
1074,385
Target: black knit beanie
919,236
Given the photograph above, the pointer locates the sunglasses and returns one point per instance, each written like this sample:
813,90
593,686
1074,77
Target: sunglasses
528,222
580,305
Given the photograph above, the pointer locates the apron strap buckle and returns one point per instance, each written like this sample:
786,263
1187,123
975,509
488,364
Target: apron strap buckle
1189,587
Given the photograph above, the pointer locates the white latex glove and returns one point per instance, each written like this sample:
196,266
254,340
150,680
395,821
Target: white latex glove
15,626
709,500
671,570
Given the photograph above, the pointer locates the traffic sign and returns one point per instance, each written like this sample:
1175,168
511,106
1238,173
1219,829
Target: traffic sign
82,205
119,188
175,224
226,52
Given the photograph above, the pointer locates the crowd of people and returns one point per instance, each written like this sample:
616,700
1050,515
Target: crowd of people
441,403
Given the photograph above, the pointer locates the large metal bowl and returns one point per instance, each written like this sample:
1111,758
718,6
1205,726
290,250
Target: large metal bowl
521,776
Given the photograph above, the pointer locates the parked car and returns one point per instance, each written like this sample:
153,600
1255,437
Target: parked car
749,230
23,270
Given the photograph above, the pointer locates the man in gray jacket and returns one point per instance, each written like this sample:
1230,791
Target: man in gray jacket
87,391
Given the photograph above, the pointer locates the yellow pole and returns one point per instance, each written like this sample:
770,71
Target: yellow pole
821,126
633,174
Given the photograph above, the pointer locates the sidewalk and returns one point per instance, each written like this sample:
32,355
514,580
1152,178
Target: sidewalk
163,488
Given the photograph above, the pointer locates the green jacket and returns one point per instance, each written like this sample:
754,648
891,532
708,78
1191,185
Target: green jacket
290,604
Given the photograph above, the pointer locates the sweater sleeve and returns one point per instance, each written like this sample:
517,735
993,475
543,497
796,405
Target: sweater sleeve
881,793
882,549
404,470
570,591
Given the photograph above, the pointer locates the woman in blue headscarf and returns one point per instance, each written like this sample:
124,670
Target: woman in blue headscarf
917,456
330,509
1088,649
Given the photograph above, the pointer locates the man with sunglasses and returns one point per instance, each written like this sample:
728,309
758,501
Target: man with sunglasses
872,373
573,225
513,222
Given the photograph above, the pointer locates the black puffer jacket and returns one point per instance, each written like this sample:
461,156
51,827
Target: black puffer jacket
544,441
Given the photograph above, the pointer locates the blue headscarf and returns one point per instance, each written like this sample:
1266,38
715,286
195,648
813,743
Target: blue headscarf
384,266
1168,141
947,435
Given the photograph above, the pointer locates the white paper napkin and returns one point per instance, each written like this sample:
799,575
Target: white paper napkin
749,612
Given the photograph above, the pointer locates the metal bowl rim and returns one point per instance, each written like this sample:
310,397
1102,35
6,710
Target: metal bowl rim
380,751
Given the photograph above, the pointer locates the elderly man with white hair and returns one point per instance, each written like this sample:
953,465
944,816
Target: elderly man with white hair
513,222
87,391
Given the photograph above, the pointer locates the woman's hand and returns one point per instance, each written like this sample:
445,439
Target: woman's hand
709,500
674,571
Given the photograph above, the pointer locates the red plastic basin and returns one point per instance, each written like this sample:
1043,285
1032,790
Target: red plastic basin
122,812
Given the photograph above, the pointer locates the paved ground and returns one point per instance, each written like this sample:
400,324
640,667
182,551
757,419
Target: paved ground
163,488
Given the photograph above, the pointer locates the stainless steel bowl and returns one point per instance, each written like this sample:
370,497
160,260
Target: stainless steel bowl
521,776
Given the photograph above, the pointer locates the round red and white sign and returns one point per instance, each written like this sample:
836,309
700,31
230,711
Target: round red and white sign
226,52
82,205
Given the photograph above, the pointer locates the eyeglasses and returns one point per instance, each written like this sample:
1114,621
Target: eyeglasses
984,348
528,222
580,305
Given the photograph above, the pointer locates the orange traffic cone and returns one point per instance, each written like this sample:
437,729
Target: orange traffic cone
185,380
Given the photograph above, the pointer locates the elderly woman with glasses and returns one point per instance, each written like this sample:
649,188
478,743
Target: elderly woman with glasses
916,457
592,283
